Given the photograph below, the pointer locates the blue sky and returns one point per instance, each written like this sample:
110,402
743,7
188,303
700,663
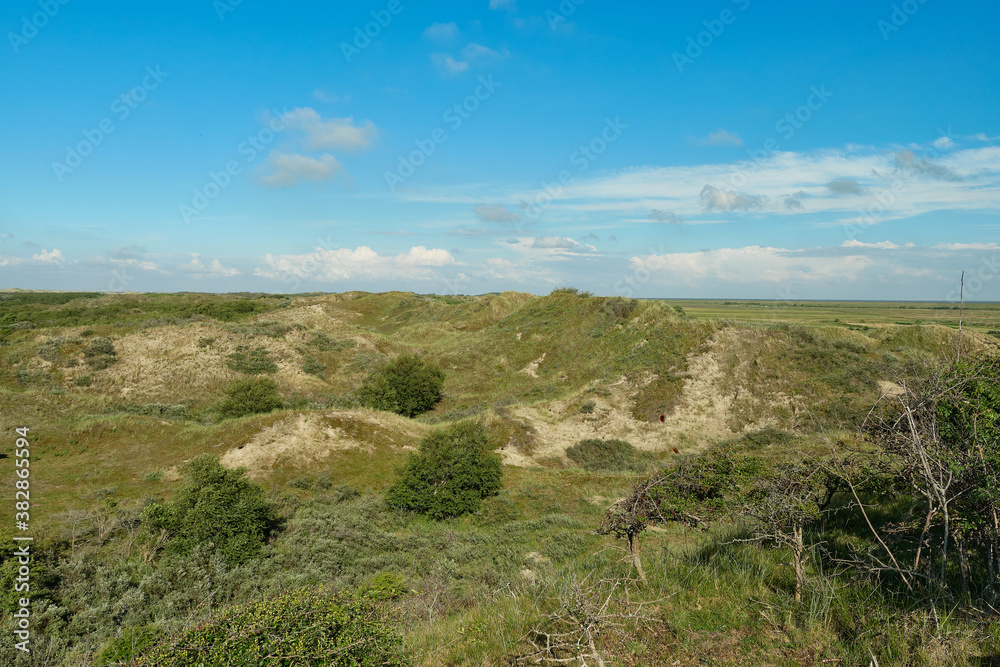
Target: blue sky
728,149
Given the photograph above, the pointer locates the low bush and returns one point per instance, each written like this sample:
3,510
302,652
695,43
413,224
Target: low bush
100,353
408,386
251,361
218,507
250,396
303,627
450,475
596,454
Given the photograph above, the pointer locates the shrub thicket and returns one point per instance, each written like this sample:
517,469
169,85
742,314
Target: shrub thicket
100,354
218,507
451,474
250,396
252,362
303,627
408,386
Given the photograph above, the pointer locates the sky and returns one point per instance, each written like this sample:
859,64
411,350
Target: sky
722,149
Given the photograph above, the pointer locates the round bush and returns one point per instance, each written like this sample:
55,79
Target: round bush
408,386
451,474
609,455
250,396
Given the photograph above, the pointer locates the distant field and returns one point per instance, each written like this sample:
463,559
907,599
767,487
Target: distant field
982,317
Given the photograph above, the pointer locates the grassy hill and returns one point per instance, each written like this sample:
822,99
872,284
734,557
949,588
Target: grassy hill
120,390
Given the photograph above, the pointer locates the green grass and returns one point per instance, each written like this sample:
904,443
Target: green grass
95,449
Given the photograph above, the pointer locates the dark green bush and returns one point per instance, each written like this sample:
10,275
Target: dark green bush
100,354
607,455
313,367
304,627
250,396
406,386
327,343
218,507
251,362
451,474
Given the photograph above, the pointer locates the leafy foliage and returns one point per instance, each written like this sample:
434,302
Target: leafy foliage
100,354
218,507
408,386
304,627
450,475
252,362
250,396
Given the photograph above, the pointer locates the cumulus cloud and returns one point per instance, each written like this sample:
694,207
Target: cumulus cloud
561,242
441,32
720,137
656,215
793,202
333,134
361,263
54,256
215,269
496,213
717,199
907,162
471,54
846,186
290,169
447,64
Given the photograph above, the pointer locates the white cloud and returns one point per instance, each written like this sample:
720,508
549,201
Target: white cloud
943,143
884,245
479,52
361,263
53,257
215,269
751,264
656,215
967,246
441,32
447,64
290,169
908,162
496,213
333,134
721,137
717,199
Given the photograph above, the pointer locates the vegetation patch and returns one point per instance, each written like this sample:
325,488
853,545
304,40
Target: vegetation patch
250,396
253,361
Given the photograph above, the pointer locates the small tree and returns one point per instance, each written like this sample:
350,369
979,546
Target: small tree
451,474
250,396
408,386
218,507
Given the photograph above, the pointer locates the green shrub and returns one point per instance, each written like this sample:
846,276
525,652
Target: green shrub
607,455
249,397
588,407
450,475
100,354
251,362
218,507
406,386
304,627
327,343
617,308
313,367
